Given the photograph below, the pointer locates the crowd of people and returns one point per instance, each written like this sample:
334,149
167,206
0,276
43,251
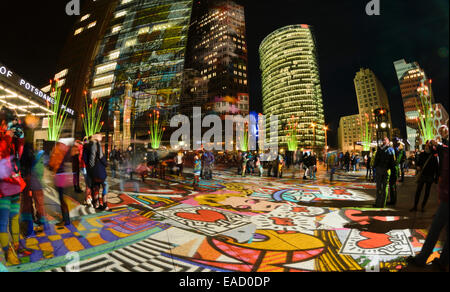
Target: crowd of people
22,211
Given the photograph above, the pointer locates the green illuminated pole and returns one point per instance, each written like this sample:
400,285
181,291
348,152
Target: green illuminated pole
366,133
426,114
59,108
244,142
156,130
292,136
92,116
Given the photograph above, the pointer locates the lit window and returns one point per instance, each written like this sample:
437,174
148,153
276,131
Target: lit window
130,43
106,68
120,14
100,92
92,24
78,31
104,80
144,30
116,29
85,17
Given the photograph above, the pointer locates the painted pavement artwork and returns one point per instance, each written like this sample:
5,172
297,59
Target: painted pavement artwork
229,224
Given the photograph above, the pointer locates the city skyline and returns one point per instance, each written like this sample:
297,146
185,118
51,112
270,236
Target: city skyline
347,40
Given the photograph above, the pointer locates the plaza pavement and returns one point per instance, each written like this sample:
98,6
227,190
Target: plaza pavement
234,224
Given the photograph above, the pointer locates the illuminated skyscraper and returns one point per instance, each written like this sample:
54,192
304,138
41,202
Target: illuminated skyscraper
291,84
411,77
218,51
145,45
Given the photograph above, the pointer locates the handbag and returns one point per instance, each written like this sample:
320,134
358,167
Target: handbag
419,175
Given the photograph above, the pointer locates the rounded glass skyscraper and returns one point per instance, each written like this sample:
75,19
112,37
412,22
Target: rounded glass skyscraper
291,86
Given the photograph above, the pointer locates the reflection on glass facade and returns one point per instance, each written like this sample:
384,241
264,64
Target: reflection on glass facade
291,84
145,45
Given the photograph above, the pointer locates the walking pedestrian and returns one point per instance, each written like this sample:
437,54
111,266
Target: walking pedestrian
428,174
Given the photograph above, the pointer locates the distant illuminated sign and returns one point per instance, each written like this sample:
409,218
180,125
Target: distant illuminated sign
4,71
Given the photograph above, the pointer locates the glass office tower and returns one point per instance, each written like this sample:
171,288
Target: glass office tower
291,84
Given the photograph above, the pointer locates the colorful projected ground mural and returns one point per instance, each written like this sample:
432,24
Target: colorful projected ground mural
228,224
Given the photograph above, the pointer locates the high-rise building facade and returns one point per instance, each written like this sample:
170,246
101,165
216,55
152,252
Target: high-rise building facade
217,50
371,95
349,133
411,77
291,84
145,46
76,60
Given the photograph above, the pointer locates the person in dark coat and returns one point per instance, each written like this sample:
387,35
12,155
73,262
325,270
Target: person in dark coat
98,164
428,166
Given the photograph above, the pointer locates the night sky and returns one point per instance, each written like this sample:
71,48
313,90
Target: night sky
33,34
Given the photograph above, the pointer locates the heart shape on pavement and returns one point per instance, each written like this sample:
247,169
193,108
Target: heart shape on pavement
203,215
374,240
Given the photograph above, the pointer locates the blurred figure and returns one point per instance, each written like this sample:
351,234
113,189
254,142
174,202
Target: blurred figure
60,159
179,161
115,159
368,161
197,170
83,168
280,165
11,185
259,165
32,169
208,160
313,166
428,173
347,160
126,170
76,151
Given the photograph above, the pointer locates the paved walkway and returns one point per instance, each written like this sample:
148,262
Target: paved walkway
231,223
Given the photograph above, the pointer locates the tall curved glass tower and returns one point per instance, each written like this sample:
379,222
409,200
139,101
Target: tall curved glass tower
291,86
